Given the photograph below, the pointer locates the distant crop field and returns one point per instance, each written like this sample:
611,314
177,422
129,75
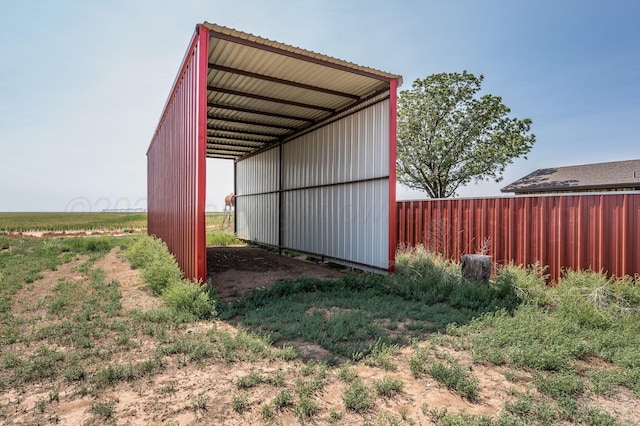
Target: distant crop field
83,221
73,221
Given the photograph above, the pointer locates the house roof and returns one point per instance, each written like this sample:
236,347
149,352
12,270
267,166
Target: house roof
612,175
261,92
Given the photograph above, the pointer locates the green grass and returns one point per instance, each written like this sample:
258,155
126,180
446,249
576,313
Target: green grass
217,238
559,346
21,222
350,316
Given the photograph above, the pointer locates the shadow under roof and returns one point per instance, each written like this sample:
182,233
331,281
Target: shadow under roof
261,92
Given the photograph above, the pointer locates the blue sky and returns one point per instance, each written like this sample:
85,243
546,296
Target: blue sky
83,83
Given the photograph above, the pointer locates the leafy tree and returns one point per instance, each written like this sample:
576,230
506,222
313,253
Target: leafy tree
448,137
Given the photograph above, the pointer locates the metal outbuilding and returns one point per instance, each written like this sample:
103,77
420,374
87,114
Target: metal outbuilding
313,139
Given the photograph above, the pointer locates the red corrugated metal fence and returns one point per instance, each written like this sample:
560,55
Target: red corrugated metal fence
176,164
600,232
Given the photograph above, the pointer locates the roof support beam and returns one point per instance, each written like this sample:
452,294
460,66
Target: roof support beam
231,138
230,70
268,99
259,112
250,122
240,147
222,156
228,148
242,132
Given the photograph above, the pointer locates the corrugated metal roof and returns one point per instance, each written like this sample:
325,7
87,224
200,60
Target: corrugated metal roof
611,175
261,92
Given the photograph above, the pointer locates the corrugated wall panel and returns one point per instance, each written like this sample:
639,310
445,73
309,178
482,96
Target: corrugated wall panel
257,197
257,218
596,231
336,189
176,165
353,148
258,174
344,222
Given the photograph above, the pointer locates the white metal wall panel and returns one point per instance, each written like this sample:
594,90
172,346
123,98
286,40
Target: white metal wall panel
257,199
348,222
257,218
352,148
336,183
258,174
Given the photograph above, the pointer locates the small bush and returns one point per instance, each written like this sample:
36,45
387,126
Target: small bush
357,397
306,408
161,272
144,250
240,403
457,378
266,411
283,400
382,356
189,298
529,283
250,380
347,373
388,386
105,409
560,385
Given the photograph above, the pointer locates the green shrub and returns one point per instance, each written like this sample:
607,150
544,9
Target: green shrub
357,397
161,272
144,250
529,283
240,403
189,298
283,400
388,386
306,407
457,378
560,385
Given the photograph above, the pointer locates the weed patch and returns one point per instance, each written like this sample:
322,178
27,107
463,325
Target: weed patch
357,397
387,386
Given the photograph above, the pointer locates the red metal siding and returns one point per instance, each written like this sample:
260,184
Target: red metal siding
176,173
599,232
393,105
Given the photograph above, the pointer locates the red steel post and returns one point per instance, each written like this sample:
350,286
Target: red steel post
393,238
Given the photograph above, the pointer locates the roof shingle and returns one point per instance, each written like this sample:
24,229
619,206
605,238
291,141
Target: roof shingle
612,175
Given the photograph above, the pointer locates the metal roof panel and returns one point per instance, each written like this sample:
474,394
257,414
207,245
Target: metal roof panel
259,84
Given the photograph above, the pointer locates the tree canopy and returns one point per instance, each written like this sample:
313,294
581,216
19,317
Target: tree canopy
448,136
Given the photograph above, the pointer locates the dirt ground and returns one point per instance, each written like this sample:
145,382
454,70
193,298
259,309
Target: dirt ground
235,271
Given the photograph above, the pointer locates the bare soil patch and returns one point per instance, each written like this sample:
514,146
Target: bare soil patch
236,271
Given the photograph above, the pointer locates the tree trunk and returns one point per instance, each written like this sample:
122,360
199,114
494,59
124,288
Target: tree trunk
476,267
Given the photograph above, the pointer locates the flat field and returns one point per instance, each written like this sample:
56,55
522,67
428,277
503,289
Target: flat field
87,340
84,221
